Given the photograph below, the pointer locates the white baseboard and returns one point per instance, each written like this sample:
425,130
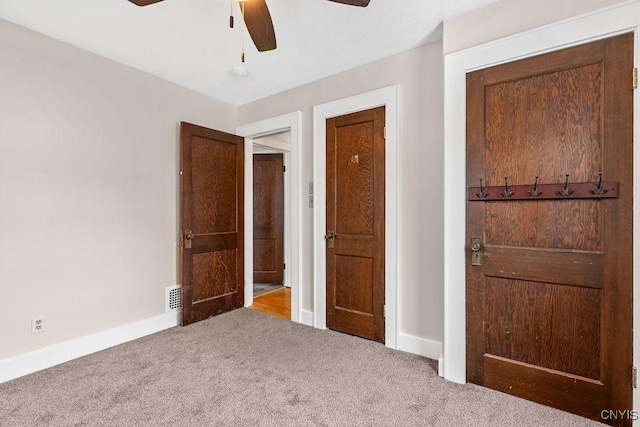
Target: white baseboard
33,361
306,317
420,346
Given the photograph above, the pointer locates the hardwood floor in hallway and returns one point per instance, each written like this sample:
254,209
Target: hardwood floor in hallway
276,303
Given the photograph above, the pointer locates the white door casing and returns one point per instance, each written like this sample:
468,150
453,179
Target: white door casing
390,98
293,208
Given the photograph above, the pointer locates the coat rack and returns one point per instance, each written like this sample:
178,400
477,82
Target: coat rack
535,191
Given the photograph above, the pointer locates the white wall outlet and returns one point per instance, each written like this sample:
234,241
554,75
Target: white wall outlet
37,324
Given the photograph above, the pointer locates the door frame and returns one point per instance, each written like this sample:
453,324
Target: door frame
607,22
389,97
293,208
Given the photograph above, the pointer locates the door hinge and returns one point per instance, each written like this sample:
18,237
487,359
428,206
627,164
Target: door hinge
635,78
284,266
384,310
634,378
385,132
284,169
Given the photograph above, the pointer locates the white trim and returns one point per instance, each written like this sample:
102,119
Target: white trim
306,317
420,346
390,98
293,123
636,222
275,144
619,18
47,357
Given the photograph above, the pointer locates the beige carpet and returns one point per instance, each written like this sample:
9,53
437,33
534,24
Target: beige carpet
250,369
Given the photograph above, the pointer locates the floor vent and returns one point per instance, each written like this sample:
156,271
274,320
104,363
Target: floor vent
173,298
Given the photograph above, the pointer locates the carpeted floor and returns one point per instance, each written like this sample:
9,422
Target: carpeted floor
247,368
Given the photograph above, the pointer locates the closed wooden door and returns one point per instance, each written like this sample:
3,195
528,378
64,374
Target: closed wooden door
212,222
268,218
355,224
549,310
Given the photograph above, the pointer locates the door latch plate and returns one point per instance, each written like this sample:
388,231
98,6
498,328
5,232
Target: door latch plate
476,251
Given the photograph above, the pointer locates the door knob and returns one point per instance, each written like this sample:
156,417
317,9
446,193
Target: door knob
188,236
330,237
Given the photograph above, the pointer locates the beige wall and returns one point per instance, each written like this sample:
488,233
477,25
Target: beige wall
507,17
88,187
420,74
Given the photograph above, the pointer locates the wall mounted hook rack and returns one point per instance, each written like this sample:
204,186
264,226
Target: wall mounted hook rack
581,190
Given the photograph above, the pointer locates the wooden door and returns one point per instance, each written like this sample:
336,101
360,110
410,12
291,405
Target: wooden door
549,311
212,222
355,214
268,218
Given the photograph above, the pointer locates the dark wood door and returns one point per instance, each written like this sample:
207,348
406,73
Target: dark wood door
549,311
355,214
268,218
212,222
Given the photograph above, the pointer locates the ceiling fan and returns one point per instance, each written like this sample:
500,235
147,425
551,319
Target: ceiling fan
258,19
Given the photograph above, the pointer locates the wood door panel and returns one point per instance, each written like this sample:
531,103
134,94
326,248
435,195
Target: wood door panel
566,224
357,246
549,314
215,274
551,326
354,158
216,205
264,255
268,218
267,169
356,276
545,386
561,267
212,208
355,211
529,121
214,242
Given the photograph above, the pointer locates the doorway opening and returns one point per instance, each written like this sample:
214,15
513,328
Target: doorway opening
277,135
271,290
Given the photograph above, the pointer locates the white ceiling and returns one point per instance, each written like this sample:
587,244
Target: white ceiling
189,42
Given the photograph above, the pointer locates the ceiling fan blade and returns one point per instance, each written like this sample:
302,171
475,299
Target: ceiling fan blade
361,3
258,21
144,2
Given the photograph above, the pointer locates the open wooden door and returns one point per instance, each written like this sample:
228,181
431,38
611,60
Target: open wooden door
355,223
212,222
549,282
268,218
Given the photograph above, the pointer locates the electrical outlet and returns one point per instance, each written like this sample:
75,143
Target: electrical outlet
37,324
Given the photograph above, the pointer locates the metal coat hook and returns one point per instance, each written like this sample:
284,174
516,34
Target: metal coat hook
599,188
507,191
482,193
534,191
565,190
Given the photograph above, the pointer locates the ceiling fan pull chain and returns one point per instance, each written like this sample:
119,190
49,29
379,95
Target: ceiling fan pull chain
243,28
